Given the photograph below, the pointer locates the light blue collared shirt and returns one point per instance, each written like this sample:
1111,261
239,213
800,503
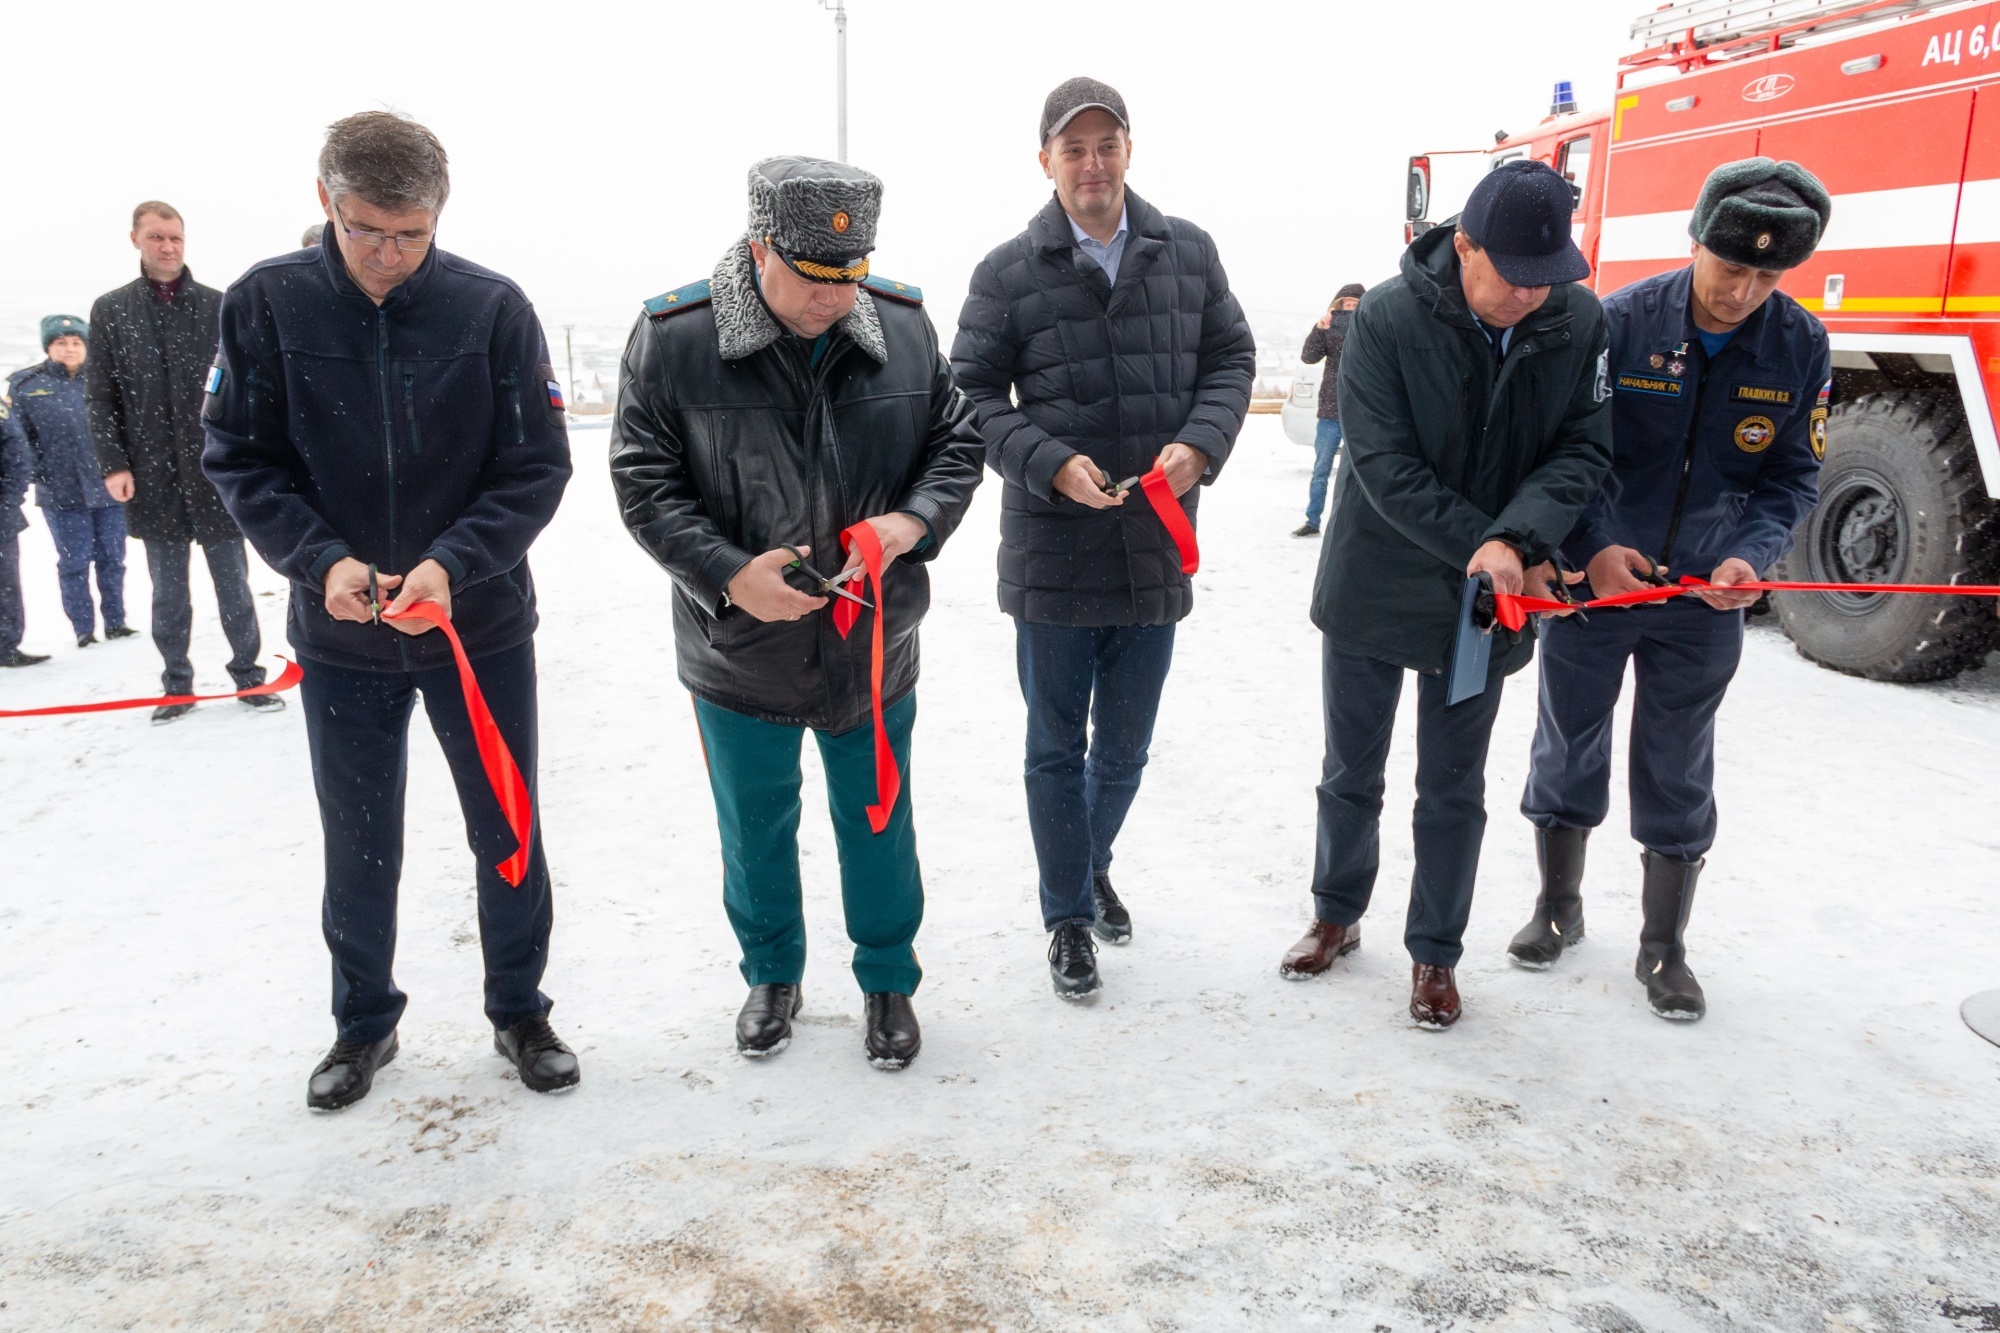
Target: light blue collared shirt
1107,256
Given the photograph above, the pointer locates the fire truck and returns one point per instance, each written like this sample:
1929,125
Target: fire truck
1895,106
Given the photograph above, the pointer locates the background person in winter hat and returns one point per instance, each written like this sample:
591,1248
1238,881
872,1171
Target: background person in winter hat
88,525
1098,342
761,414
1713,366
1478,427
1323,343
152,341
435,501
17,468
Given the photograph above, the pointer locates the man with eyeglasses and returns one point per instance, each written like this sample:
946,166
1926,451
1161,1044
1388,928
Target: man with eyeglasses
150,345
384,422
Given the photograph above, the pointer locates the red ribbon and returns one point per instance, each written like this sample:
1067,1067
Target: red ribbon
1513,611
502,774
287,678
888,779
1168,506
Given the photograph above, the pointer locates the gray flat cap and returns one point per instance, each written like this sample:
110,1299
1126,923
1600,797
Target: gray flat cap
819,216
1073,97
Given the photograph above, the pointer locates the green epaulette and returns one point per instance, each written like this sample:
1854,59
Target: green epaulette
905,292
680,298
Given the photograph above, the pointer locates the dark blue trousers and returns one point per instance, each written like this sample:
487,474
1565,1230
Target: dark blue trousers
1683,656
357,725
1092,696
13,615
173,611
1359,698
86,537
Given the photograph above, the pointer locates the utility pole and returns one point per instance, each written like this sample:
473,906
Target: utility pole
839,8
569,353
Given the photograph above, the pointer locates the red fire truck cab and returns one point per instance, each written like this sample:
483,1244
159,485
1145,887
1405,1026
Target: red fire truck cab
1895,105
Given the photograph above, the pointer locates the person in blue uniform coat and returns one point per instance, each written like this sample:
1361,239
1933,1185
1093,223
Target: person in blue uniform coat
1720,390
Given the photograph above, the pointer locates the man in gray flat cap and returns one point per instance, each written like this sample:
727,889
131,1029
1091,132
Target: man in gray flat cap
1720,390
788,406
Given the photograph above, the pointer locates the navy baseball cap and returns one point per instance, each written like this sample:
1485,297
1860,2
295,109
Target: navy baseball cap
1519,215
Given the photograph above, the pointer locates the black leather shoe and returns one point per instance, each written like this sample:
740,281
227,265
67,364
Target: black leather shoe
1113,924
764,1023
893,1035
546,1064
348,1071
1073,961
85,639
14,657
263,703
166,713
120,632
1306,530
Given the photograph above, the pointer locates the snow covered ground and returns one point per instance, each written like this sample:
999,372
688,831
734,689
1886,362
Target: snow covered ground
1208,1147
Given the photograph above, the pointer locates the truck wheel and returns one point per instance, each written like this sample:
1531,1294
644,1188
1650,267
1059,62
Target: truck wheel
1901,501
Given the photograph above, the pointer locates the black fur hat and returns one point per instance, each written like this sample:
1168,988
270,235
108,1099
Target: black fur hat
1761,213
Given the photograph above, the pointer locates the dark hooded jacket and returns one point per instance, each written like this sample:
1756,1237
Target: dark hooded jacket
1324,344
17,466
148,361
1060,362
426,428
733,437
1448,448
50,408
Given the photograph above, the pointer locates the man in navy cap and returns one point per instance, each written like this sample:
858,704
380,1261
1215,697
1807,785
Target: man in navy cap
1476,415
1720,395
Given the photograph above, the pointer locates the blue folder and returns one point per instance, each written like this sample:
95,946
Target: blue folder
1473,647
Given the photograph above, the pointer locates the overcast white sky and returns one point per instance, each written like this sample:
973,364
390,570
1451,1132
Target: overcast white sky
598,149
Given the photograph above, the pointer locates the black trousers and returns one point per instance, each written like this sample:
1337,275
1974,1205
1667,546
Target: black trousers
173,611
357,725
1359,698
13,618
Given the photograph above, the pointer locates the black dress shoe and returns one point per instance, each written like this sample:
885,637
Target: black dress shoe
764,1023
546,1064
1306,530
263,703
1113,924
85,639
893,1036
14,657
348,1071
1073,961
120,632
166,713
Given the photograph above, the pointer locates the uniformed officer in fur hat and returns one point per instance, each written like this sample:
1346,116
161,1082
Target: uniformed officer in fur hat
763,413
1720,389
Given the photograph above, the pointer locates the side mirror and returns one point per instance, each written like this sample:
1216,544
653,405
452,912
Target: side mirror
1417,199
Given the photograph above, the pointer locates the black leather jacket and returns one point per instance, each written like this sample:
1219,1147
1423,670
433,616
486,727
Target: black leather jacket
730,440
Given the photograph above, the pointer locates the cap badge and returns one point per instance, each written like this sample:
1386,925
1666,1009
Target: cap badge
841,222
1763,240
1656,360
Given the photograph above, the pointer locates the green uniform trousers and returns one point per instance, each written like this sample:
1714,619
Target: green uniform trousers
753,769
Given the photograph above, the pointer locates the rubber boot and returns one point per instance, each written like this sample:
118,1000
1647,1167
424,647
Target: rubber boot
1667,897
1558,919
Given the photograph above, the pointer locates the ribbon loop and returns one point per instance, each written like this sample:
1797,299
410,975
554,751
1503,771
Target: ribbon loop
1160,494
888,778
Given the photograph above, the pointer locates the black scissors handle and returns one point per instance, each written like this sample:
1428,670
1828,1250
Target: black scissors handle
374,597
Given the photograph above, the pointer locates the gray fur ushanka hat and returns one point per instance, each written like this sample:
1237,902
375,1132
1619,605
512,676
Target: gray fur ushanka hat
1761,213
819,216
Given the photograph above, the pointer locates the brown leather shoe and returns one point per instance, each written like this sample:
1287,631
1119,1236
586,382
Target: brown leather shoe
1317,949
1433,997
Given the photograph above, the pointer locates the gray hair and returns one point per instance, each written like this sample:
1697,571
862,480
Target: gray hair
386,159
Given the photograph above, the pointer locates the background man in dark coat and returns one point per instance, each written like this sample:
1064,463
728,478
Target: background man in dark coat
1478,427
151,344
1323,343
443,496
1099,341
762,413
88,525
17,466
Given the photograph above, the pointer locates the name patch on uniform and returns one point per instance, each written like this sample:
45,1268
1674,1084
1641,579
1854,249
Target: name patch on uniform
1665,388
1754,434
1760,393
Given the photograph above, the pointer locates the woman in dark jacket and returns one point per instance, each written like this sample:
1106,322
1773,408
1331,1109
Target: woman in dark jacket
1323,343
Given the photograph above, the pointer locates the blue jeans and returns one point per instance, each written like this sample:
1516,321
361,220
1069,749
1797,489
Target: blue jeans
86,537
1326,444
1092,696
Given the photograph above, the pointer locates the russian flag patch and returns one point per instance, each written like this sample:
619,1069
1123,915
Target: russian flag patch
555,395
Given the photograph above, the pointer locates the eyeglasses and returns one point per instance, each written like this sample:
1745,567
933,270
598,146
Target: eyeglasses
373,240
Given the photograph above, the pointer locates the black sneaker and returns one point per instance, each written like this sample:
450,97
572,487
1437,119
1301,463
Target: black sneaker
1306,530
120,632
166,713
1113,924
348,1071
85,639
1073,961
893,1038
764,1023
546,1064
14,657
263,703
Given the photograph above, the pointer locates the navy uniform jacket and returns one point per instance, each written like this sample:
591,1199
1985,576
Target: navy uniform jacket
1710,459
428,428
51,408
17,465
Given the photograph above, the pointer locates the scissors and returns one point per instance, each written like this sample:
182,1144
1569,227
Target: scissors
374,597
1559,592
830,585
1120,487
1653,574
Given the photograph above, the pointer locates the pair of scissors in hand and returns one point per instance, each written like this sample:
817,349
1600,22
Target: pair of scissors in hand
828,585
374,597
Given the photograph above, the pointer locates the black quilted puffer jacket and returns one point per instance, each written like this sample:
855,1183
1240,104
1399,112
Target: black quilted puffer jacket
1061,362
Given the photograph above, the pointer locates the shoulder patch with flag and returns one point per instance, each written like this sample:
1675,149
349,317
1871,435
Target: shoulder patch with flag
555,395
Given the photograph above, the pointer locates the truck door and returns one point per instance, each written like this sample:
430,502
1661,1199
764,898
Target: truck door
1574,158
